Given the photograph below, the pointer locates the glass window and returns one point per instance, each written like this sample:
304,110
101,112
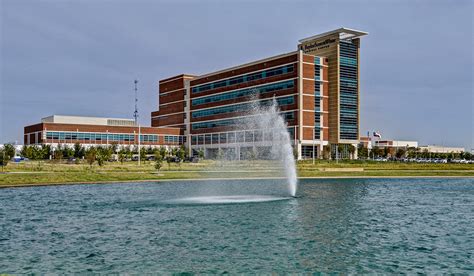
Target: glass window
244,78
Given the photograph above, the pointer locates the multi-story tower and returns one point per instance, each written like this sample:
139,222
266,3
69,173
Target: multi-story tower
341,47
172,102
316,88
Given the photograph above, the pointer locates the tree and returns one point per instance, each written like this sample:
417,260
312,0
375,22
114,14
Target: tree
46,151
158,160
37,154
108,152
128,152
340,149
450,155
400,153
58,153
100,160
201,153
158,164
134,150
411,152
103,154
79,150
114,147
467,155
143,152
168,160
25,151
351,150
121,156
3,158
181,153
326,151
9,150
68,152
91,155
162,152
363,152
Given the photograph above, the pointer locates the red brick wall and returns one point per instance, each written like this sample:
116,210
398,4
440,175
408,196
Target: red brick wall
172,108
308,71
168,120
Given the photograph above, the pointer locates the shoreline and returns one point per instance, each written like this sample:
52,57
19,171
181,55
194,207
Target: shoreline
26,185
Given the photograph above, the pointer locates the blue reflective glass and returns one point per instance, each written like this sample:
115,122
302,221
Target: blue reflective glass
244,78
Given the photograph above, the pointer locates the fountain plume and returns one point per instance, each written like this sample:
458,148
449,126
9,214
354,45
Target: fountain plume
274,144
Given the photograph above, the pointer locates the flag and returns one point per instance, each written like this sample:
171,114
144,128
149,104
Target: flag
376,134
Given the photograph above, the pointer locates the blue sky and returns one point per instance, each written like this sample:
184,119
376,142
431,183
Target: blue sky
81,57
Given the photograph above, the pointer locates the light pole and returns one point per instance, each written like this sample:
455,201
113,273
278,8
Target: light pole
139,151
313,144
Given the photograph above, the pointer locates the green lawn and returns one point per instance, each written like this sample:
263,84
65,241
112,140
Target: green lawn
47,172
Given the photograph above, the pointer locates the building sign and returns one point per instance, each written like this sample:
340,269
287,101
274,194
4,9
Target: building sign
317,45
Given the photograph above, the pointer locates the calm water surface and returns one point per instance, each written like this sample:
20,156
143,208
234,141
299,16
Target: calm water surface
342,226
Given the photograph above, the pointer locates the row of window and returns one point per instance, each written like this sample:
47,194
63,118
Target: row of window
349,120
317,72
348,70
89,136
244,78
238,137
232,122
317,101
244,93
348,112
108,137
349,128
348,61
240,107
317,60
348,91
348,101
348,48
175,139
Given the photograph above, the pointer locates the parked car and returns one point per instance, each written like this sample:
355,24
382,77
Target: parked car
194,159
71,160
150,158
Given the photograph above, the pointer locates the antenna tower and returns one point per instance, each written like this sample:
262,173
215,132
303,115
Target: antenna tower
135,113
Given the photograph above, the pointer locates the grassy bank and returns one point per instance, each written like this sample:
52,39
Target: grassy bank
48,172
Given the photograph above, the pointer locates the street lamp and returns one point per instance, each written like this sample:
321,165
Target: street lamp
313,144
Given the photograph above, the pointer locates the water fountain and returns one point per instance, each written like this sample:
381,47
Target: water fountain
270,143
265,117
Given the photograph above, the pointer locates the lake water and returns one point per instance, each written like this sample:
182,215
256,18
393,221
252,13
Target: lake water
342,226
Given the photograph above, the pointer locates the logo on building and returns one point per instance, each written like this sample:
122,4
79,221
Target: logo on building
316,45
